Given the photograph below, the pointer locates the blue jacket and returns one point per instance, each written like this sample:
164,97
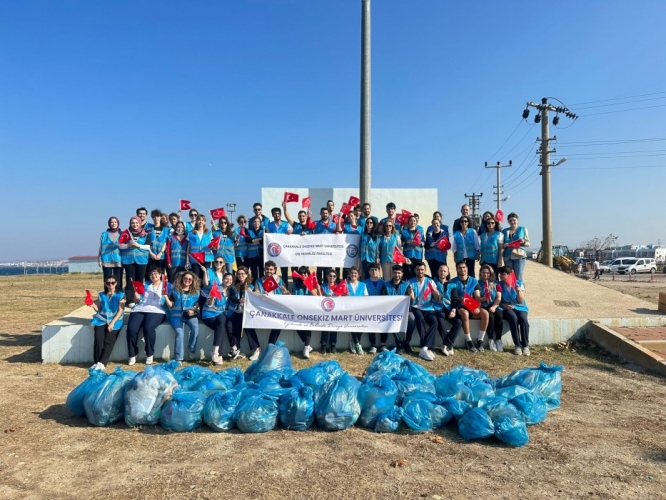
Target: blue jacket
226,247
131,255
107,309
420,301
412,251
434,253
109,251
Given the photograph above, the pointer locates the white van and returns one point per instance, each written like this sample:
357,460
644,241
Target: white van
632,265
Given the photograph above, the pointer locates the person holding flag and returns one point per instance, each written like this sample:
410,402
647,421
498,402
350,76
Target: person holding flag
177,250
255,246
183,302
514,309
200,255
241,239
446,313
434,244
375,286
271,284
305,283
330,289
465,245
225,246
490,301
236,306
390,212
465,298
107,321
369,247
157,239
147,315
211,277
324,226
412,243
484,218
134,256
279,226
397,286
356,288
108,256
423,293
301,227
516,240
491,244
216,316
388,242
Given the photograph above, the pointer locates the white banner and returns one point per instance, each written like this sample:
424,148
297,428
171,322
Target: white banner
325,250
379,314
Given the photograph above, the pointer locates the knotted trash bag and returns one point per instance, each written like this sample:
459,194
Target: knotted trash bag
456,407
417,413
387,361
219,409
145,395
256,412
190,378
509,423
475,424
80,392
390,420
546,381
469,375
415,370
183,412
320,373
409,384
532,407
297,408
376,396
105,404
274,357
224,380
448,386
338,407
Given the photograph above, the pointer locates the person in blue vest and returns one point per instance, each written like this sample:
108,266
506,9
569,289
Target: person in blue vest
269,270
389,239
347,224
356,288
299,226
157,239
491,245
369,248
514,310
257,209
147,314
142,215
200,237
329,339
375,286
279,226
483,227
413,241
324,226
183,303
211,277
445,312
108,256
193,214
462,285
236,306
423,296
107,322
299,288
255,247
366,211
134,257
390,212
515,257
436,215
178,250
434,256
397,286
465,245
226,247
490,301
241,238
216,316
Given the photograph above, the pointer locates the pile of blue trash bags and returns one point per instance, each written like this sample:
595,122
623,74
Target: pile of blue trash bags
395,393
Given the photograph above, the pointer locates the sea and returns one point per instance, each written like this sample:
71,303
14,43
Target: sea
17,270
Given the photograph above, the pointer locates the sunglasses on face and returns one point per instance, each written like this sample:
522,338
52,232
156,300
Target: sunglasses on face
332,276
110,282
490,223
219,262
464,222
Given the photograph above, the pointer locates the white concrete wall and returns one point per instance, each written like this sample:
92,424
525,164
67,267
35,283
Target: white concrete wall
83,266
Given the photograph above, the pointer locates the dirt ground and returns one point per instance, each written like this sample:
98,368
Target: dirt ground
642,287
608,439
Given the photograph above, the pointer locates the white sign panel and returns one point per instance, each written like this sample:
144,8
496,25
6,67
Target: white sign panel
325,250
310,312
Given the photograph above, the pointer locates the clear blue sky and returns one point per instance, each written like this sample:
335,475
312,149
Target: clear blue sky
107,106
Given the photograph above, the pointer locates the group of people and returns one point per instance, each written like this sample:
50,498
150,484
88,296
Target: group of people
179,263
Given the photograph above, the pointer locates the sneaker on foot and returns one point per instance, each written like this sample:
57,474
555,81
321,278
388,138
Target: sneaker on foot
352,347
445,350
432,354
470,346
400,350
492,346
451,351
359,349
149,360
498,344
373,350
331,350
424,353
216,358
479,345
236,354
518,351
306,351
382,348
322,349
132,360
255,354
526,351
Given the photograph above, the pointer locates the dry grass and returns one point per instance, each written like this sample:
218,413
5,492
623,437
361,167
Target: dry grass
606,441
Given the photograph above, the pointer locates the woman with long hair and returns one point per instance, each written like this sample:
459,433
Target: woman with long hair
134,256
515,257
158,238
329,339
388,241
200,237
491,298
108,255
369,246
226,247
465,245
299,288
215,317
236,305
241,239
255,247
183,302
435,256
177,250
514,310
107,321
413,240
491,245
484,218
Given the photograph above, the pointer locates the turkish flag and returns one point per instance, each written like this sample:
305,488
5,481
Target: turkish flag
295,274
340,288
499,216
125,237
311,224
346,208
417,238
514,244
353,201
138,287
168,253
311,282
402,219
270,284
470,303
243,232
336,218
215,291
215,242
406,212
217,213
305,203
486,291
199,257
398,257
165,285
89,298
289,197
428,290
512,280
443,244
185,205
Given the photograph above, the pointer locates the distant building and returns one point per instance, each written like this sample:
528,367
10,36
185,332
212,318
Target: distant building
657,252
84,264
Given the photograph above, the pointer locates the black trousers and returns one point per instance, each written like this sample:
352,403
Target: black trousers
255,265
103,345
329,339
116,272
237,326
495,324
149,322
520,328
134,272
174,271
448,336
470,267
426,324
196,269
411,324
434,264
305,336
221,326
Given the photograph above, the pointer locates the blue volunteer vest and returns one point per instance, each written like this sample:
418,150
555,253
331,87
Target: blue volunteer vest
156,241
374,287
360,289
109,250
218,307
490,248
226,247
466,242
445,291
420,301
181,303
178,251
492,290
461,289
255,249
260,286
412,251
322,227
240,248
386,247
200,244
369,248
434,253
108,307
135,255
510,296
282,228
518,235
391,289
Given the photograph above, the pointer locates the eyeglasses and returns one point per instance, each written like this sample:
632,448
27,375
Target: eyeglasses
489,223
110,282
256,209
242,221
464,222
187,279
332,275
223,222
220,262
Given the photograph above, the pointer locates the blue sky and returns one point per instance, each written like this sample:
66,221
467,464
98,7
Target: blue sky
107,106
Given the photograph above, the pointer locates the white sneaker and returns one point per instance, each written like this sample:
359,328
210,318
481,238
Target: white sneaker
255,354
149,360
432,353
451,351
373,350
100,366
492,346
132,361
352,347
424,353
498,344
526,351
518,351
306,351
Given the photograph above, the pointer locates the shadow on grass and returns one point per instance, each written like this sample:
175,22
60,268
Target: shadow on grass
645,310
32,340
62,415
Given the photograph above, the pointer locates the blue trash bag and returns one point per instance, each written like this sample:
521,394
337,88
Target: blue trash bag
297,408
376,396
105,405
481,390
509,423
145,395
390,420
469,375
170,366
80,392
271,383
415,370
448,386
224,380
183,412
440,414
320,373
408,385
546,381
256,412
476,424
532,407
511,391
191,377
492,404
338,407
388,362
456,407
219,409
274,357
417,413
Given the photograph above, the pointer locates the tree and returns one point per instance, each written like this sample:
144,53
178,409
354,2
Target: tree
597,244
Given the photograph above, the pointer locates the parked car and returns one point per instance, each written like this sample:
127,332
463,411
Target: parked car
604,267
632,265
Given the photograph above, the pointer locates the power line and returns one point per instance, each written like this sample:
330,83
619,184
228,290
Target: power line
619,156
620,103
535,179
624,110
618,152
579,144
618,98
612,168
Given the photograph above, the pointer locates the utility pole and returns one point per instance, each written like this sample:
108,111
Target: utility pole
544,160
474,202
499,186
364,183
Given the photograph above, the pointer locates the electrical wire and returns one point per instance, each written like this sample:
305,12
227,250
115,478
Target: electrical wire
621,103
610,168
618,98
624,110
580,144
